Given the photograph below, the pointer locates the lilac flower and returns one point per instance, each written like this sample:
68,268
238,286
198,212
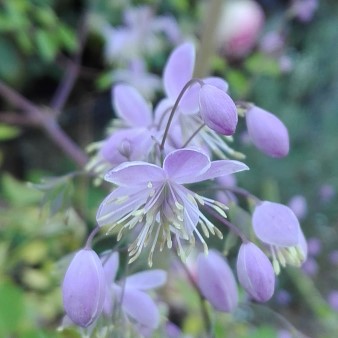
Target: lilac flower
255,272
135,303
83,288
192,107
133,139
268,133
155,199
216,281
277,226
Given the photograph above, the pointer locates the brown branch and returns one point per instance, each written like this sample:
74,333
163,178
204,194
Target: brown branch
46,120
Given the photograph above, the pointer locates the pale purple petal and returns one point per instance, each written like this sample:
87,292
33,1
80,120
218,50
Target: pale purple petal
135,173
217,82
218,110
130,106
83,288
146,280
276,224
216,281
221,168
183,165
179,69
112,208
110,263
255,272
139,306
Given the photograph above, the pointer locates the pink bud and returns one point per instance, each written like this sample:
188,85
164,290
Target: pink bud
267,132
255,272
217,109
216,281
84,288
240,24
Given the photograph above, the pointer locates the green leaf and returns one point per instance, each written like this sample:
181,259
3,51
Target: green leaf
19,193
260,63
46,45
8,132
11,309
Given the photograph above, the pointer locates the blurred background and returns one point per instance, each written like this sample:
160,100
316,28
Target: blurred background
58,62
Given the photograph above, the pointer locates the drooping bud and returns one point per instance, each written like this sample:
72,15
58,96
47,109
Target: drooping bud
267,132
217,109
216,281
277,226
255,272
83,288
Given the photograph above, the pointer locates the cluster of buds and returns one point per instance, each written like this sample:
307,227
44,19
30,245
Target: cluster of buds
150,157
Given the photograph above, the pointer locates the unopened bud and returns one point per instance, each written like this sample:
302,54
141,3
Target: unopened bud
255,272
83,288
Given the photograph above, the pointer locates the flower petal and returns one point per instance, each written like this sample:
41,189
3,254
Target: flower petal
276,224
146,280
217,82
130,106
221,168
135,173
110,263
183,165
179,69
139,306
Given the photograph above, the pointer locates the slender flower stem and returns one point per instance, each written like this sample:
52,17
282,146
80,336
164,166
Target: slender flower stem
193,135
242,192
204,310
228,224
91,236
173,111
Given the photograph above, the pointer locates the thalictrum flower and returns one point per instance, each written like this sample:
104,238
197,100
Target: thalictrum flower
277,226
131,294
216,281
255,272
83,288
134,134
193,121
154,198
267,132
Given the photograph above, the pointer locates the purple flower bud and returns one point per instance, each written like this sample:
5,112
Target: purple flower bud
255,272
84,288
216,281
218,111
268,133
277,226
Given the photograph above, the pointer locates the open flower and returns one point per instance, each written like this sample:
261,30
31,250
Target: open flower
154,198
134,137
277,226
131,294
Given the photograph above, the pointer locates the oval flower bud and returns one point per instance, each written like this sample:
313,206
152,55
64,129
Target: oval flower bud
267,132
83,288
216,281
217,109
255,272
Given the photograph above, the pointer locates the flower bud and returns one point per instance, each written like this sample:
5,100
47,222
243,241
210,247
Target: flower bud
216,281
217,109
267,132
255,272
83,288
